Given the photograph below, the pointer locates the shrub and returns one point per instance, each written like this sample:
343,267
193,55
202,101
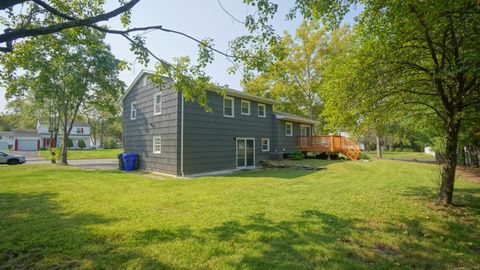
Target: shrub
69,143
364,156
111,143
81,144
297,155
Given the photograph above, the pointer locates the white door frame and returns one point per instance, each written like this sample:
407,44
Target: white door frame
245,155
304,141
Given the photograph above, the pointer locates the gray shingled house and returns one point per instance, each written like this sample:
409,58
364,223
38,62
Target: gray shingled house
177,137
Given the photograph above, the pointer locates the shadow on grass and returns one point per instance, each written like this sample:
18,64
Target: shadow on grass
286,174
317,240
36,233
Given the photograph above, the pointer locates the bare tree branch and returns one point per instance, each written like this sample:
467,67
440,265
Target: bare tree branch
22,33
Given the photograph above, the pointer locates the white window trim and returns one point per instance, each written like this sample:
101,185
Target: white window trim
264,110
268,144
233,107
155,103
131,110
291,129
241,109
154,149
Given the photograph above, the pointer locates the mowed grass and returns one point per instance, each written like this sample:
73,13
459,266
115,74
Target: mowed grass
354,215
402,155
86,154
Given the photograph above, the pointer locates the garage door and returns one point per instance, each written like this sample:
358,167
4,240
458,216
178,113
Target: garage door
27,145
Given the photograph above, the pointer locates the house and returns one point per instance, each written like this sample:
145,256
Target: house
180,138
6,140
35,139
80,131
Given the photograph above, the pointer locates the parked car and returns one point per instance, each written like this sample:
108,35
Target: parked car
11,159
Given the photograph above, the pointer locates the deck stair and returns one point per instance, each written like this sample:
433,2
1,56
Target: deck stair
331,144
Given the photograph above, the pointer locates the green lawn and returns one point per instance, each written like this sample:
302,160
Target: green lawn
354,215
407,155
86,154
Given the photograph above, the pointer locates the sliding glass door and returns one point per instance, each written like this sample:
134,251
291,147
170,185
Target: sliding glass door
245,152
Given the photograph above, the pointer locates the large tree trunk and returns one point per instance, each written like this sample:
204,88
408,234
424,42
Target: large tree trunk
64,159
102,133
445,193
379,147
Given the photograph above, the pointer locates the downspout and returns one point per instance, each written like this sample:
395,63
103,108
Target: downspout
181,139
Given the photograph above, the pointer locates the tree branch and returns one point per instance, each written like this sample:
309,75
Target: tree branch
4,4
22,33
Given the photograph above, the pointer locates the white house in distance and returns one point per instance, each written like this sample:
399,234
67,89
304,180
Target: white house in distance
35,139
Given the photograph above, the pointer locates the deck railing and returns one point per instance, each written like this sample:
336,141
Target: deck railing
329,144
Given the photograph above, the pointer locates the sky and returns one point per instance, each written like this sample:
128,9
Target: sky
199,19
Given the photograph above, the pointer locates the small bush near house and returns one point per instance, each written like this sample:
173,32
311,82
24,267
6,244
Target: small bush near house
81,144
297,155
110,144
69,143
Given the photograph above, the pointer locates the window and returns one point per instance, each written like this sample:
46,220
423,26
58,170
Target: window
157,145
157,103
262,110
288,129
145,80
79,130
265,145
133,111
245,107
228,107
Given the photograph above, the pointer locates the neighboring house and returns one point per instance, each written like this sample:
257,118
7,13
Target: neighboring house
80,131
177,137
35,139
6,140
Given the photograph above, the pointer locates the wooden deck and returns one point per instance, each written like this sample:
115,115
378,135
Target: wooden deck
329,144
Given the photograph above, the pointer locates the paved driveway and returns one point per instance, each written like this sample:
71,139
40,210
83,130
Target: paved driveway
92,164
29,155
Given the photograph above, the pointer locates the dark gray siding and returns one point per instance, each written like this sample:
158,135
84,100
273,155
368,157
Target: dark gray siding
285,143
138,134
209,137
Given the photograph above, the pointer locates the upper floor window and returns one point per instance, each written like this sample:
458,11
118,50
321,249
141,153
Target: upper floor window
265,145
228,107
245,107
157,144
262,110
288,129
133,111
79,130
157,103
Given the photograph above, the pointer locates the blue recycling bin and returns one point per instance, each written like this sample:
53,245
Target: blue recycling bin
129,161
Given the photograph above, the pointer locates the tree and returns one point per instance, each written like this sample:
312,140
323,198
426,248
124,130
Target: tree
71,68
412,57
81,144
296,80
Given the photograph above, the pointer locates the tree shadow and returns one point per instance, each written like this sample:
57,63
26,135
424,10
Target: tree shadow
312,240
286,174
36,233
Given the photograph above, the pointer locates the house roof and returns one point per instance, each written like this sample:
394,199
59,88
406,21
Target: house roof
25,132
228,91
294,118
75,124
